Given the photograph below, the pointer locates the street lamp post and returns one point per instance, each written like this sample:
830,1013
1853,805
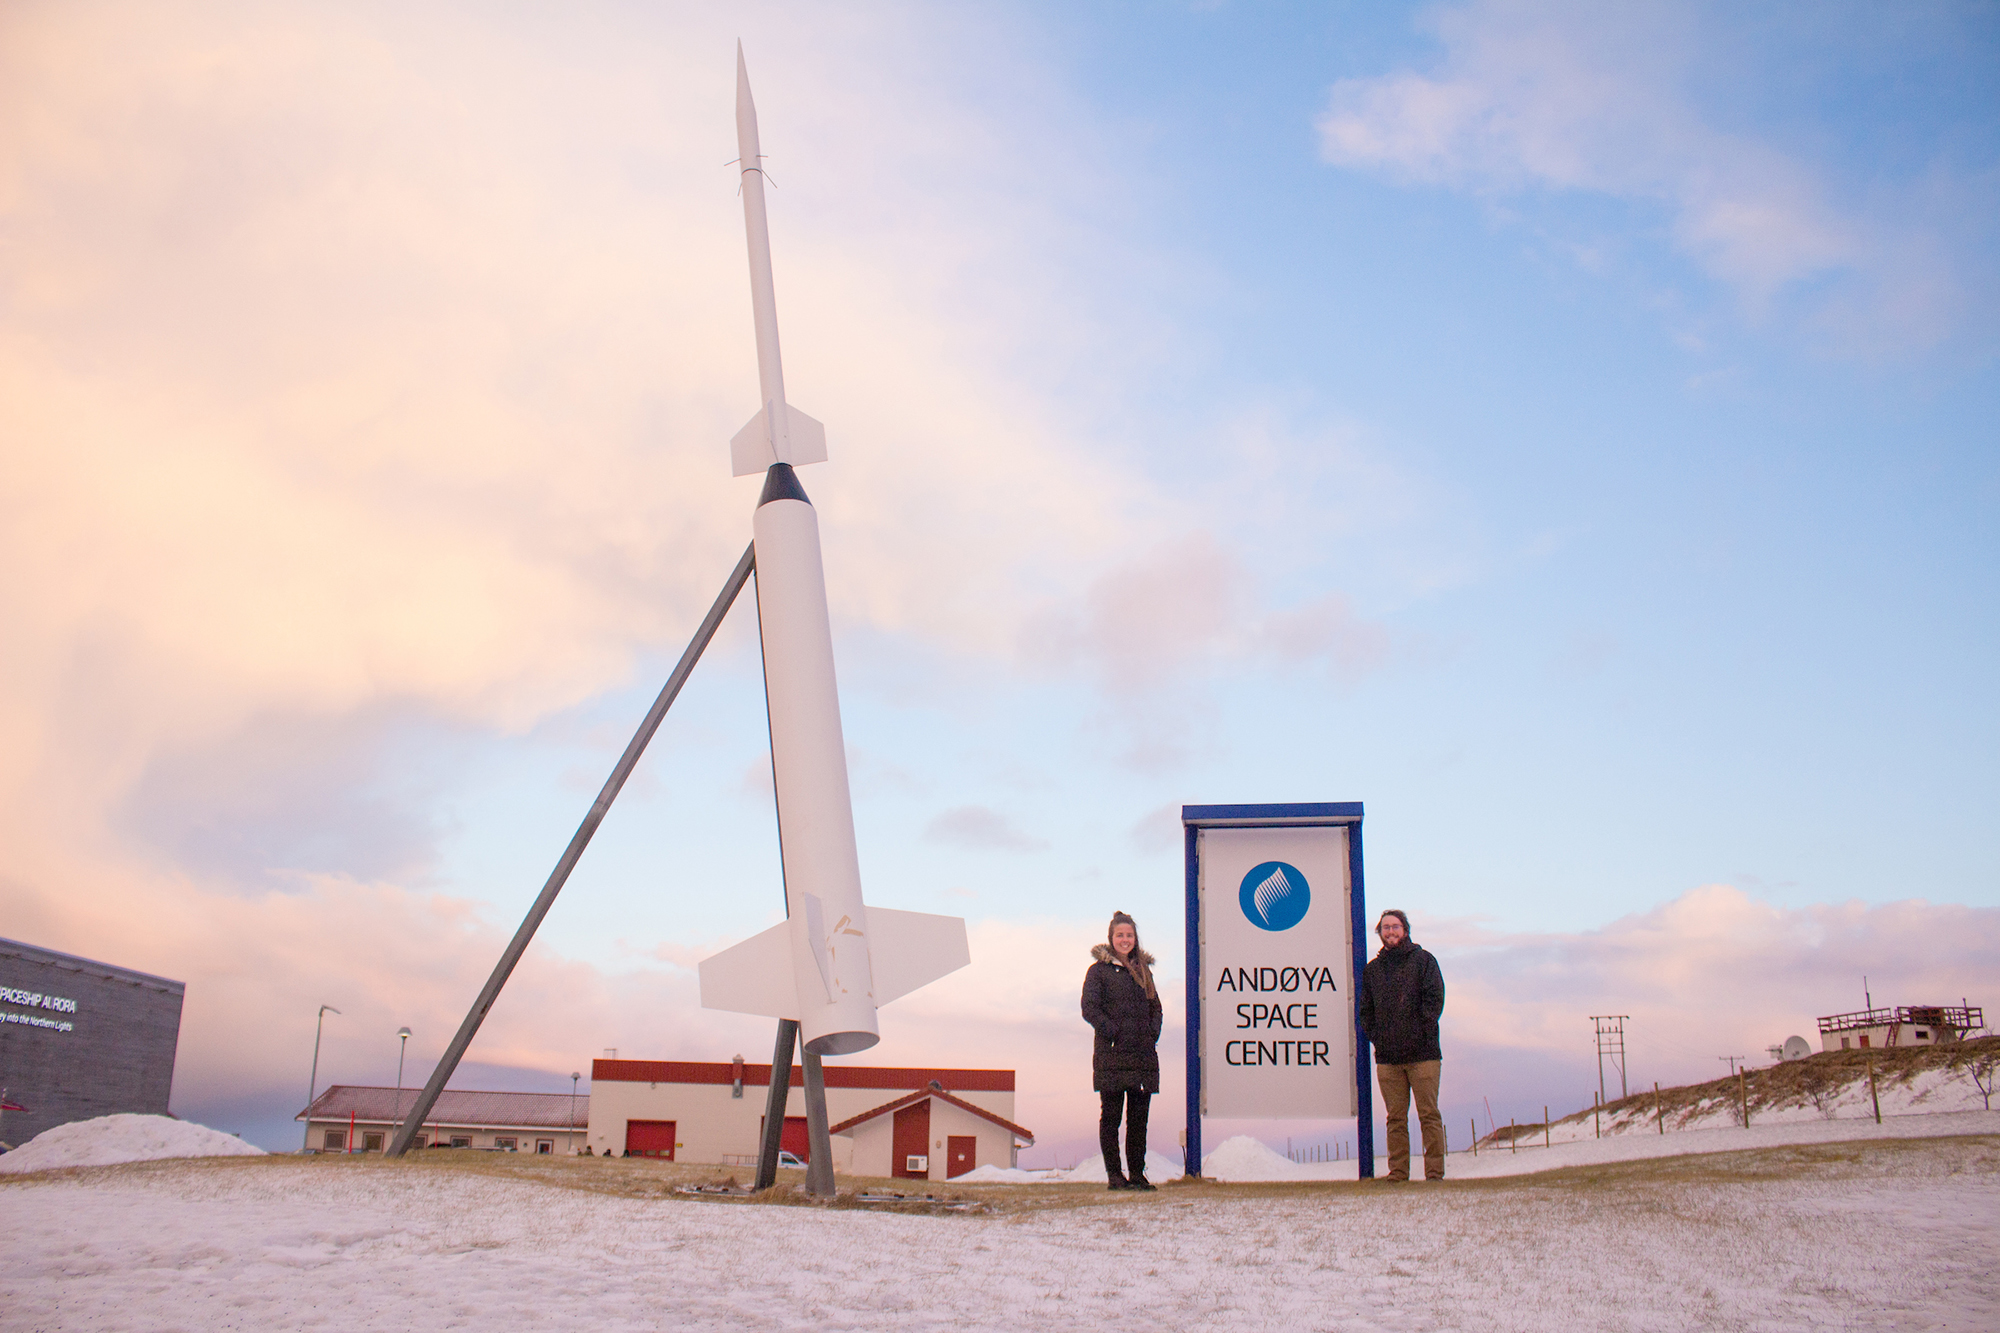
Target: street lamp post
403,1036
573,1080
312,1085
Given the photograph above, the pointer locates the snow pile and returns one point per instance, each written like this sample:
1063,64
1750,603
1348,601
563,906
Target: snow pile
1006,1175
1244,1158
111,1139
1090,1171
1241,1158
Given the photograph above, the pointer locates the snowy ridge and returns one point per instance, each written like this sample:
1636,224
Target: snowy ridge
111,1139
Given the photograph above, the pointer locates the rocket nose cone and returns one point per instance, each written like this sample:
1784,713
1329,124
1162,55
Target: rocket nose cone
746,114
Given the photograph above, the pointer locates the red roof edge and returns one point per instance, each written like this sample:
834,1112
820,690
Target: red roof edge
837,1075
913,1098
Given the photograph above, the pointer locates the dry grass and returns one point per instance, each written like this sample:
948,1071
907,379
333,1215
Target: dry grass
1977,1154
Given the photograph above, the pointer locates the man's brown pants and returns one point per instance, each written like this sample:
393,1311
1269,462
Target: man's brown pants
1397,1083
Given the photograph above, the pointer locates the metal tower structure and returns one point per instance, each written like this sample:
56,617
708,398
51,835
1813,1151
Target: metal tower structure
1610,1045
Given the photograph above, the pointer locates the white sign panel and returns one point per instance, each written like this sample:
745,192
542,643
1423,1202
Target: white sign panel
1277,948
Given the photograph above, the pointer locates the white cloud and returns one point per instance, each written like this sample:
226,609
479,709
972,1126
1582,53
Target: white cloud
378,361
1187,606
1599,99
1714,972
980,828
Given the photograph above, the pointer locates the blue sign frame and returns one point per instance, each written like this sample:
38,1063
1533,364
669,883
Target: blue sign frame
1194,818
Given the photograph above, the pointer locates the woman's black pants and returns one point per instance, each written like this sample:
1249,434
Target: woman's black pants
1136,1104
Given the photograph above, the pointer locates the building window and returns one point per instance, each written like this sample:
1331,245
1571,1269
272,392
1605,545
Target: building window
336,1140
421,1141
1864,1041
371,1143
1923,1035
461,1140
1845,1044
545,1146
506,1145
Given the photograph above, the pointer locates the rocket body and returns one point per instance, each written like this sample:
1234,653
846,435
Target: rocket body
835,959
829,924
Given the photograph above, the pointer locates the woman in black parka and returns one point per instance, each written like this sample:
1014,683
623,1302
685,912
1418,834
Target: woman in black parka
1122,1004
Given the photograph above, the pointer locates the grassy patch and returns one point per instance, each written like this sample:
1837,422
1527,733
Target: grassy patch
1975,1154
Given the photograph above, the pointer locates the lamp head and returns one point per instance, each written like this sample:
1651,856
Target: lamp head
404,1033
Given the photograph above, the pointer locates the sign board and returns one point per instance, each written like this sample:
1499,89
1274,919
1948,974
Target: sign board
1276,927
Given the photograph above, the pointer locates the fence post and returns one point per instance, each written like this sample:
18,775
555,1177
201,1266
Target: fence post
1743,1095
1596,1114
1513,1136
1873,1096
1474,1122
1547,1142
1659,1109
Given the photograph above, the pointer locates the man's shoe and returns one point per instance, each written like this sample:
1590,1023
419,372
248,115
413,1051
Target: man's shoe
1117,1183
1140,1183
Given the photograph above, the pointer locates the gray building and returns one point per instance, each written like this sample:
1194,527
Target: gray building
80,1039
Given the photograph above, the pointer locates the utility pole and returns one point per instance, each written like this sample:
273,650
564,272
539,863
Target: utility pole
312,1087
402,1036
1610,1042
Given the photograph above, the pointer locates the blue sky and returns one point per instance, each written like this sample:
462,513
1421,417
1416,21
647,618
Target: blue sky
1567,430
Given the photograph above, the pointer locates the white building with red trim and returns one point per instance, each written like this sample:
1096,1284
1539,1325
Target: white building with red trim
1900,1025
690,1111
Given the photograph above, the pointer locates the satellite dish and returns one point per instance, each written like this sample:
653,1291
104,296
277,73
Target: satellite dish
1796,1048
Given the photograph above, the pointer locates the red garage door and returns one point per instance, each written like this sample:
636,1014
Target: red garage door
792,1138
649,1138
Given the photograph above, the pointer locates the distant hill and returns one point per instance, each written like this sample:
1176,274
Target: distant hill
1833,1085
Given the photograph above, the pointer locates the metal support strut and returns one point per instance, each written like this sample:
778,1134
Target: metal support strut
776,1101
448,1065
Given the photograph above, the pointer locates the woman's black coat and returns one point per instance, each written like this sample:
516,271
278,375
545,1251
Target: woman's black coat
1127,1021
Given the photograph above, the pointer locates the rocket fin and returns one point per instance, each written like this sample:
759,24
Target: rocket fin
750,452
806,439
753,449
912,949
754,977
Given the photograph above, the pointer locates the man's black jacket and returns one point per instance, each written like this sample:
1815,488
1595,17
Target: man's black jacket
1402,995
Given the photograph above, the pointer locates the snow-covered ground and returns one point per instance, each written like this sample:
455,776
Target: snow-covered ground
1905,1234
111,1139
1244,1158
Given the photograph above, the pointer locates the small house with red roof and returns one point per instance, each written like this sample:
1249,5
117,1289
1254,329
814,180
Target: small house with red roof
929,1135
713,1112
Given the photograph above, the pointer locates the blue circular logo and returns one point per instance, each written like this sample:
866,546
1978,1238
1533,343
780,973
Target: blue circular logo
1275,896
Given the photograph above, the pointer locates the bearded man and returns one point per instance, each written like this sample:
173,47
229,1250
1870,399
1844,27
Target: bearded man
1402,996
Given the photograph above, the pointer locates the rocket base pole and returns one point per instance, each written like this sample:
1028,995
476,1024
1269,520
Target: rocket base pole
775,1102
819,1170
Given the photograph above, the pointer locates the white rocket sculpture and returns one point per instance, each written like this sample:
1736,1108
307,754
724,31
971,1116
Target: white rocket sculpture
835,960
